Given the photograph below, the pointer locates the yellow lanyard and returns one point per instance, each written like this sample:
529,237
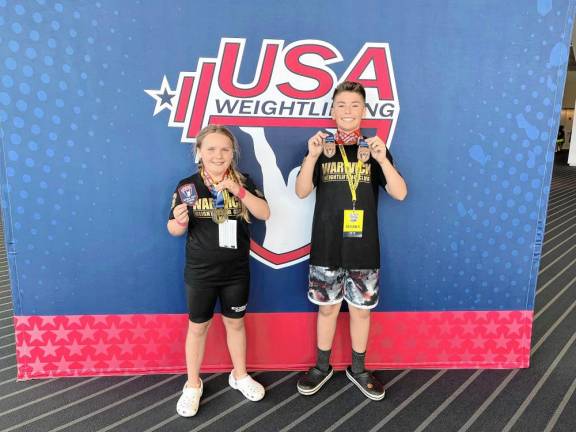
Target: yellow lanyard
353,178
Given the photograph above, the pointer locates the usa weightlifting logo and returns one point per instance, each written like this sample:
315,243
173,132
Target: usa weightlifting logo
292,88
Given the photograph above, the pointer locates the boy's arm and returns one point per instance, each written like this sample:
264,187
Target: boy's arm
395,184
304,181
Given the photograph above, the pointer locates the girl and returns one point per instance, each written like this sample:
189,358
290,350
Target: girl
213,208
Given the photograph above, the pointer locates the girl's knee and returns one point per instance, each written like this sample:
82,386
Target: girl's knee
198,329
235,324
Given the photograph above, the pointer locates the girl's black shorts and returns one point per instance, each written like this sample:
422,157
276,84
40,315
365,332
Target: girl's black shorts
229,282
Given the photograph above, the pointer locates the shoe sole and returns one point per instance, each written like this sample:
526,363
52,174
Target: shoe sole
368,395
318,387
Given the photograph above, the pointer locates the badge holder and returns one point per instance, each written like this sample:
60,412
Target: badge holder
227,234
353,223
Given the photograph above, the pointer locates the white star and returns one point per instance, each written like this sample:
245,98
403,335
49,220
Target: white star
163,96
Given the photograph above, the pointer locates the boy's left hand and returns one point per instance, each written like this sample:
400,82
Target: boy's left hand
377,149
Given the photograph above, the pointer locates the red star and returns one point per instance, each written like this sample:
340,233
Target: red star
75,321
514,327
61,333
100,319
151,347
88,365
481,316
491,328
113,364
490,358
468,328
501,341
511,357
126,347
466,357
48,321
87,333
113,333
37,367
21,321
75,348
456,342
137,333
24,350
36,334
100,347
445,328
49,349
478,342
63,365
127,319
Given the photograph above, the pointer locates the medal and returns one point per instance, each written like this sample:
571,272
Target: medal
219,215
329,146
363,151
220,199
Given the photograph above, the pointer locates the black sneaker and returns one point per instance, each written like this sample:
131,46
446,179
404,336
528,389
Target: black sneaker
313,380
367,383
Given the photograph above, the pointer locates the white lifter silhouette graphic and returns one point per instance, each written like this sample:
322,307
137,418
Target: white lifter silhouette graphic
290,224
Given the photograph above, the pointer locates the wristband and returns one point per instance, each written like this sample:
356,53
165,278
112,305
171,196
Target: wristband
241,193
180,223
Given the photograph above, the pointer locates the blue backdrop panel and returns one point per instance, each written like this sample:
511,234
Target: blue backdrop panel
93,147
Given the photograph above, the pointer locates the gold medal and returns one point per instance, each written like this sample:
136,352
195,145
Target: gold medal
219,215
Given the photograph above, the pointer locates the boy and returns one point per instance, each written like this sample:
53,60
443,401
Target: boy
345,254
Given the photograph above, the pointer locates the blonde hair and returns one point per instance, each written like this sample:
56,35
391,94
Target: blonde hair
234,172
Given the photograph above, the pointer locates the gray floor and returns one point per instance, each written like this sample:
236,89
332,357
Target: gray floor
540,398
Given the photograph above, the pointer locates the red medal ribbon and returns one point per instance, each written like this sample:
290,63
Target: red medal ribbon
347,137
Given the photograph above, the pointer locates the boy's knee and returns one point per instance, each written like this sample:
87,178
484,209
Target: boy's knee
329,310
357,313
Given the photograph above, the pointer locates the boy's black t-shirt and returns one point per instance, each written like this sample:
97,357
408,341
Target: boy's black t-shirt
202,242
329,247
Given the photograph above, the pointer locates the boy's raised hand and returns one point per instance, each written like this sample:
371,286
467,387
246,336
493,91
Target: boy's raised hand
315,144
377,148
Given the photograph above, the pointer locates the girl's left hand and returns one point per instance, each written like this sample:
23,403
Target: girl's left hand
229,184
377,148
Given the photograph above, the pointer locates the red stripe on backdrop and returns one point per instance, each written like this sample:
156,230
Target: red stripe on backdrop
89,345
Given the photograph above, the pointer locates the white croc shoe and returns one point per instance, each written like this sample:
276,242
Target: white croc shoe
251,389
189,401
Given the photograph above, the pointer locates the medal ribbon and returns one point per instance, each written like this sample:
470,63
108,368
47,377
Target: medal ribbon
352,177
219,198
347,137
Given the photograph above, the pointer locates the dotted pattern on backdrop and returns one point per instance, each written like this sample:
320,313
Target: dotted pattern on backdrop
62,79
495,231
56,111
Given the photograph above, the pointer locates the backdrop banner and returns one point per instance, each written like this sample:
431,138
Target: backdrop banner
101,101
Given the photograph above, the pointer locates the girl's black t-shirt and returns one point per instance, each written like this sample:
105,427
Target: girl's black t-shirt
329,247
203,251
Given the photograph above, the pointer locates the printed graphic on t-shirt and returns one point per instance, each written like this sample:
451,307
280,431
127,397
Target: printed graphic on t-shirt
335,172
203,207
